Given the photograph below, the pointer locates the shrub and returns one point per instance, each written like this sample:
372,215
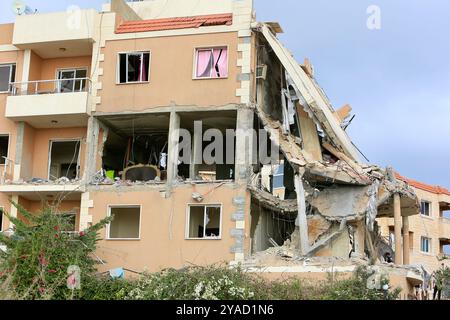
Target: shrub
39,253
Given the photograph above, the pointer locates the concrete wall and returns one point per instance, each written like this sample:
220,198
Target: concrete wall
163,228
54,27
171,74
40,148
6,33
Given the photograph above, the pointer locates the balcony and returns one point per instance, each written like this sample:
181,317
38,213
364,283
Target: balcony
50,103
46,34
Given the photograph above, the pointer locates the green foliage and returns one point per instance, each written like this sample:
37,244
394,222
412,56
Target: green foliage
40,252
223,283
355,288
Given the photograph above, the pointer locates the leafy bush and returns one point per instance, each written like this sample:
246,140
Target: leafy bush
356,288
35,265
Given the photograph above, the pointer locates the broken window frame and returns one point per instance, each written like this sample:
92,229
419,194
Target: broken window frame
131,53
210,48
124,206
3,161
78,164
427,241
188,221
423,205
12,75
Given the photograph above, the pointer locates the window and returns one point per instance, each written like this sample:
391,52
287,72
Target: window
64,159
72,80
134,67
425,244
425,208
211,63
126,223
1,219
7,76
4,146
204,222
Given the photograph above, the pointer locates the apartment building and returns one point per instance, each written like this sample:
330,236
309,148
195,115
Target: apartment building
429,232
96,116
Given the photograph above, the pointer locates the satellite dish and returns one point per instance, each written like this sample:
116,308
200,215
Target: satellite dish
19,7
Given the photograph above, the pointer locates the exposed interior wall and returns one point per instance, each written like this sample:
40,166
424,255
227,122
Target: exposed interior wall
171,74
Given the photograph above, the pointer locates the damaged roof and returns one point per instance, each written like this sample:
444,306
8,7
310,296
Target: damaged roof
175,23
312,95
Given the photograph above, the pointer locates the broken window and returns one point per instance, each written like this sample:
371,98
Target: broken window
7,76
211,63
134,67
72,80
425,208
425,244
126,223
4,146
204,222
64,159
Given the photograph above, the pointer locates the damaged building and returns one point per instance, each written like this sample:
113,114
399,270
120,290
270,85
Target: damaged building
137,85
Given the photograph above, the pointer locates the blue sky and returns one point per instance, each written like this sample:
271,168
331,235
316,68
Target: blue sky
397,78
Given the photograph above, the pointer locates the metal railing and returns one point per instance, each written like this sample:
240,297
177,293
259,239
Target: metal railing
50,86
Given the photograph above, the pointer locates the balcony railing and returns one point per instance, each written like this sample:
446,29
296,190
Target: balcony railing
50,86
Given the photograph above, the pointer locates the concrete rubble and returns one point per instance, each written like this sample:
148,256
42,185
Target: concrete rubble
339,197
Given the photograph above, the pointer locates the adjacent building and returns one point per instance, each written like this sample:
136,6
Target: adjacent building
429,231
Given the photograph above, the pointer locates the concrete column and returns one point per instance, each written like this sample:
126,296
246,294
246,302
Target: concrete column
197,147
359,238
398,229
245,143
13,211
406,240
174,136
93,131
302,221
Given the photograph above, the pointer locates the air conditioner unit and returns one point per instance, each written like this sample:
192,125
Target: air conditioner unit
261,71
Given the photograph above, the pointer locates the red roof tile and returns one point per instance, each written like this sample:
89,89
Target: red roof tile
423,186
175,23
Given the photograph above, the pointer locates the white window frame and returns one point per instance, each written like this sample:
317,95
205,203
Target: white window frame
422,238
50,155
204,48
9,148
429,208
142,60
10,74
188,221
123,206
75,69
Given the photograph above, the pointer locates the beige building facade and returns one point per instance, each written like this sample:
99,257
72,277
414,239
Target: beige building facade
92,117
429,231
